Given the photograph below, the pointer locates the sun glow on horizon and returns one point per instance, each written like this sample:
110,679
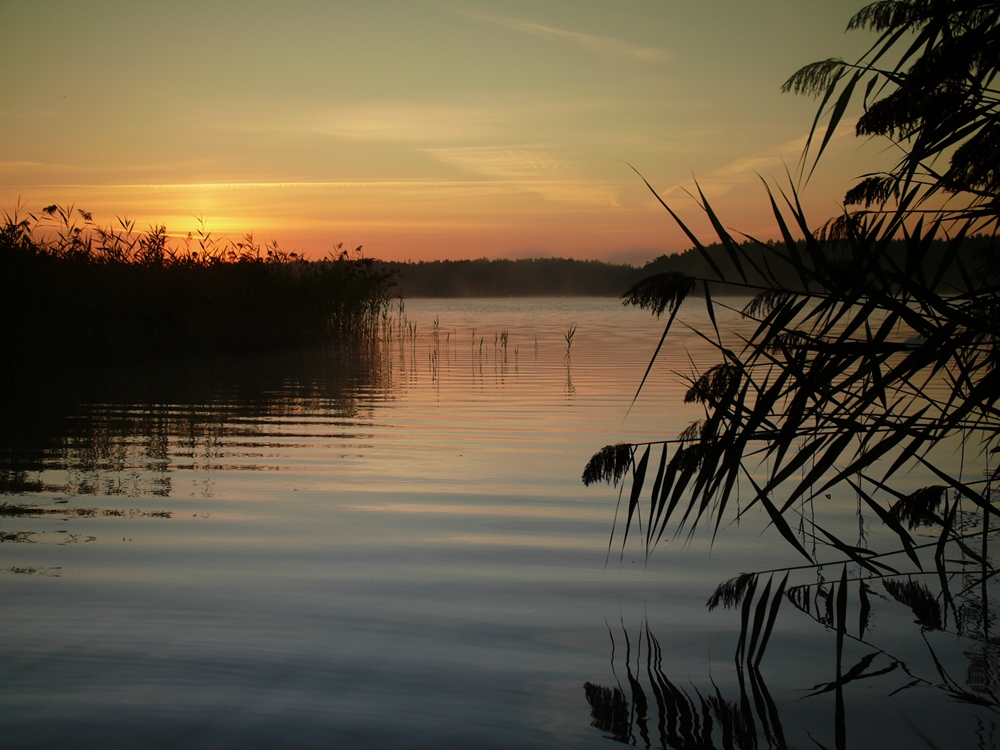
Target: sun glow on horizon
472,131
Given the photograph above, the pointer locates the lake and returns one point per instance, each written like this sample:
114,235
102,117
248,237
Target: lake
392,547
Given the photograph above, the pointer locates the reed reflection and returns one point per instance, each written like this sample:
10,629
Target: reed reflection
952,621
651,711
948,599
24,513
125,432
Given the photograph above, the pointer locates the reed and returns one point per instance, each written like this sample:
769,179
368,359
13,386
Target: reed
568,336
868,368
73,291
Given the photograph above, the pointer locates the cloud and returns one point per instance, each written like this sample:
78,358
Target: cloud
492,185
501,162
407,124
439,123
746,169
528,170
598,45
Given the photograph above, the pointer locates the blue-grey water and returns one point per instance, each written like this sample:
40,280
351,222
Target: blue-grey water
392,547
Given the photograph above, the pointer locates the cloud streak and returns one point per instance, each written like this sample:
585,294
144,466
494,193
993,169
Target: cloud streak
502,162
531,170
598,45
408,123
748,169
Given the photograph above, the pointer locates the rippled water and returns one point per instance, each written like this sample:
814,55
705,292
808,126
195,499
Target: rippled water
393,548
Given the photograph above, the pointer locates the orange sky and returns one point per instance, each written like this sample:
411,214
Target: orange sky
419,130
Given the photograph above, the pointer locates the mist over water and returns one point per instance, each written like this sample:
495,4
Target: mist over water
392,547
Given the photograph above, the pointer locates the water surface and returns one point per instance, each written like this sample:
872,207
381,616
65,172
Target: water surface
391,547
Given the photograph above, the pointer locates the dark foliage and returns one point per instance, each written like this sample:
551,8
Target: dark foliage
930,86
766,269
659,292
608,465
529,277
920,508
919,599
72,292
873,354
730,593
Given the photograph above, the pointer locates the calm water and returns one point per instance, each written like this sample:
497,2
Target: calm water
393,548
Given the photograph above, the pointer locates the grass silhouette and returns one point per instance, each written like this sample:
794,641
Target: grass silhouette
867,364
72,291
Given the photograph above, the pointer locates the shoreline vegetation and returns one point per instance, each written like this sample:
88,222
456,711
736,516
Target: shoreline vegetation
73,292
566,277
76,293
526,277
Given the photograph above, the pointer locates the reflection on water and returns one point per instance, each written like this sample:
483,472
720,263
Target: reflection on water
24,512
664,714
125,432
645,708
391,547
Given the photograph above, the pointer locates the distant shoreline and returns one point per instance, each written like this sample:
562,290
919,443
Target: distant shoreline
566,277
530,277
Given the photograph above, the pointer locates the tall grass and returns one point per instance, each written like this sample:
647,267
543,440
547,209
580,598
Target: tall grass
866,368
74,291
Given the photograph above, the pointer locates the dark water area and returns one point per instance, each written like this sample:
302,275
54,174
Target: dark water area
391,547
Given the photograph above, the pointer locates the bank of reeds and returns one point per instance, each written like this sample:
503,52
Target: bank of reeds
72,291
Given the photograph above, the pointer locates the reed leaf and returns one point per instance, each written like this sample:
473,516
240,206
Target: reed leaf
759,618
638,477
745,619
771,619
656,505
864,614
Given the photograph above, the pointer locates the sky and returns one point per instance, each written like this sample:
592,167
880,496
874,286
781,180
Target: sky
421,130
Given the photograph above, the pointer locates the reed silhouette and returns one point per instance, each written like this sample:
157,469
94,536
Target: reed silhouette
74,291
871,365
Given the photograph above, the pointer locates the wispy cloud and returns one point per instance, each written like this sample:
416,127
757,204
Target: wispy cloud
21,167
486,118
746,170
530,170
599,45
407,124
470,122
502,162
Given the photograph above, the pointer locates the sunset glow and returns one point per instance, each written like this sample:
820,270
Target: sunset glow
419,131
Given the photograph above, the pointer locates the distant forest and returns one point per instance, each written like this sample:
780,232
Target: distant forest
530,277
561,277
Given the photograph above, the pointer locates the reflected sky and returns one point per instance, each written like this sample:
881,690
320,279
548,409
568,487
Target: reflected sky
392,547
